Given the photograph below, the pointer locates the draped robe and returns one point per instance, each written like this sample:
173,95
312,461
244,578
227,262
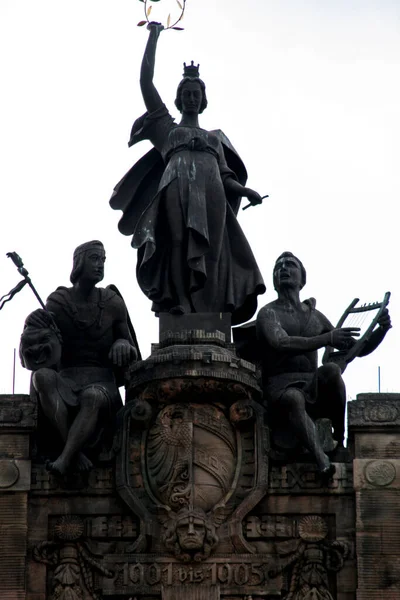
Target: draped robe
189,164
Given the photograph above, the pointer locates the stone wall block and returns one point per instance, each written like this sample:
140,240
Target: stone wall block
14,445
374,431
187,592
17,421
377,474
13,527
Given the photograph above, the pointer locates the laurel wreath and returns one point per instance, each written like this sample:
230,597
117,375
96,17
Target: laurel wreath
148,7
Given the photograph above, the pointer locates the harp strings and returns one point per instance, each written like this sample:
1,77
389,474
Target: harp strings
360,319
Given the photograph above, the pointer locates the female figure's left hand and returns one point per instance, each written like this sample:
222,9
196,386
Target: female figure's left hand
253,196
233,186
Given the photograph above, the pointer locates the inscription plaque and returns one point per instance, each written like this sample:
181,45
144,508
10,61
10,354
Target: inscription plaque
149,574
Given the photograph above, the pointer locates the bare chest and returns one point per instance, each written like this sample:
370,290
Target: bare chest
303,323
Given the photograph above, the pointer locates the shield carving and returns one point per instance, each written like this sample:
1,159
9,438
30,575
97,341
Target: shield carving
191,456
191,471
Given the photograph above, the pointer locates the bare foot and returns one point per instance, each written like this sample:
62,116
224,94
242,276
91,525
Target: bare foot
177,310
327,473
323,462
58,467
82,462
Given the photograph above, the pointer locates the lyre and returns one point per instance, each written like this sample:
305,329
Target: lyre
360,313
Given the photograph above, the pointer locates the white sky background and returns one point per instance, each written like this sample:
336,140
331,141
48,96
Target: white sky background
307,91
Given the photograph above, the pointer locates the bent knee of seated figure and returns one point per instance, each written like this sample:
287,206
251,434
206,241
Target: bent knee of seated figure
292,399
329,373
43,379
93,398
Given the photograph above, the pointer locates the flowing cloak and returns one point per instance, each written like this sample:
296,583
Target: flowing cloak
191,163
88,334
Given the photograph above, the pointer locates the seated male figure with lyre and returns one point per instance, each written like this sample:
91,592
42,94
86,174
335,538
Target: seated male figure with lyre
290,332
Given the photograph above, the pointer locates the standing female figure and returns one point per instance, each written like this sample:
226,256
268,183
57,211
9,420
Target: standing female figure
180,203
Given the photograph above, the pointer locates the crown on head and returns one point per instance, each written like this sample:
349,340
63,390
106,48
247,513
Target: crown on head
191,70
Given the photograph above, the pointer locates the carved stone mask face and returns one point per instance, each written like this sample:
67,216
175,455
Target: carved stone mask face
40,348
191,532
191,97
93,265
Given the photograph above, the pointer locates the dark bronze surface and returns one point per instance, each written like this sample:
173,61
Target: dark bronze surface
76,352
180,204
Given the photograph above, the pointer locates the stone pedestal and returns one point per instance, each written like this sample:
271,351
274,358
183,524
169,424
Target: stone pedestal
374,433
191,505
17,421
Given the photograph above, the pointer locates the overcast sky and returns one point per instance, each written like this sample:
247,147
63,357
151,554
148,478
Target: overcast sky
307,91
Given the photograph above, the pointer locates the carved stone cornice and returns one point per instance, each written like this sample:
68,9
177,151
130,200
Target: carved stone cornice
374,411
17,413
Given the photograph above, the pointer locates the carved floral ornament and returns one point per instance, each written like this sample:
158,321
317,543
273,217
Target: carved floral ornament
69,528
9,473
176,388
311,561
73,560
380,473
380,413
365,412
312,529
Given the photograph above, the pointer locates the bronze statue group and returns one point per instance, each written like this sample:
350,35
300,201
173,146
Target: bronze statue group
180,204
